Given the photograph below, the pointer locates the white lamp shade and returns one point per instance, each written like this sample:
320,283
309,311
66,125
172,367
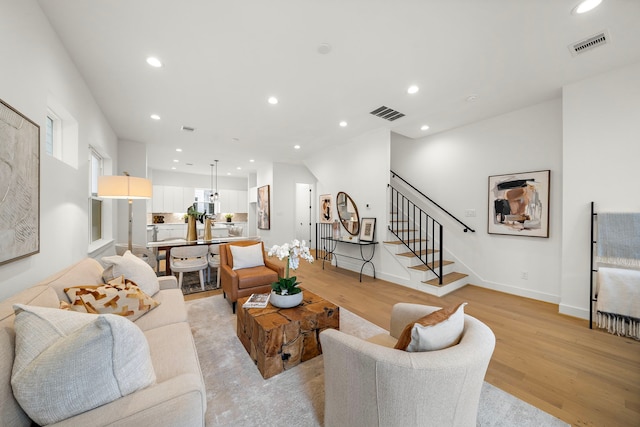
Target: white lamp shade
124,187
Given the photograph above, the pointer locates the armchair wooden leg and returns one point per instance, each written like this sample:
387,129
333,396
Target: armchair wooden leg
233,307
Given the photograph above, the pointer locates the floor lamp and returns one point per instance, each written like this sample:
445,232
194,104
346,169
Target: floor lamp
125,187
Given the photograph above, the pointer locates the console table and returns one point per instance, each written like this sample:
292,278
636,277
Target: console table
332,244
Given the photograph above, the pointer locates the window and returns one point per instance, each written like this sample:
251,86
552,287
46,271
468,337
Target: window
53,139
95,203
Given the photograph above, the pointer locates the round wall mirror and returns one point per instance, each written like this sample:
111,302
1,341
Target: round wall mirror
348,213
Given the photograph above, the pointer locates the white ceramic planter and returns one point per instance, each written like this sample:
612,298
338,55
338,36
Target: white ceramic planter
285,301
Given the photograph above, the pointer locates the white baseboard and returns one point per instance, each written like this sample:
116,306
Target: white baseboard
572,311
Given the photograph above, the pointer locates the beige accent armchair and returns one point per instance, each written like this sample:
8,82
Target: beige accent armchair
368,383
246,281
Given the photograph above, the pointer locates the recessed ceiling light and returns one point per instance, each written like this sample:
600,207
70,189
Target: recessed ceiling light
173,167
343,124
239,168
272,100
179,150
324,48
297,147
413,89
228,173
155,117
154,62
175,160
251,160
424,127
585,6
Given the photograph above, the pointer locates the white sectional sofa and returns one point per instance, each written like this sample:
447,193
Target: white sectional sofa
176,398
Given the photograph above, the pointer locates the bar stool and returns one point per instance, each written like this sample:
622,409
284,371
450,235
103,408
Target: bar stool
214,262
186,259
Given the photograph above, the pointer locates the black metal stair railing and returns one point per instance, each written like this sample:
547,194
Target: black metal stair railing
466,227
418,231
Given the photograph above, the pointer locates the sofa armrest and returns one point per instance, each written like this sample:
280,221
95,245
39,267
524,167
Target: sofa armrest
168,282
275,267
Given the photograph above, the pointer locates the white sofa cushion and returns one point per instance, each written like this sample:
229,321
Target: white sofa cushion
134,269
67,363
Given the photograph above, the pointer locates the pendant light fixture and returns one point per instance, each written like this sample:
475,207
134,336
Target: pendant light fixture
214,196
211,193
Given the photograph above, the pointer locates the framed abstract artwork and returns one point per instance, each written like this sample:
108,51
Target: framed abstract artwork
368,230
264,222
19,185
519,204
326,211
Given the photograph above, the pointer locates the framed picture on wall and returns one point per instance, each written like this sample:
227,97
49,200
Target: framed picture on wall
368,230
19,185
264,201
326,210
519,204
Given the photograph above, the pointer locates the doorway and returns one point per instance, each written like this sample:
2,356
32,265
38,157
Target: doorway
304,205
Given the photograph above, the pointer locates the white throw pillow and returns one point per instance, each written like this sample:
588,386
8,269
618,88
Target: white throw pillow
67,363
247,256
436,331
134,269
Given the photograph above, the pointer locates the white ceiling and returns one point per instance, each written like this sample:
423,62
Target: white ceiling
223,59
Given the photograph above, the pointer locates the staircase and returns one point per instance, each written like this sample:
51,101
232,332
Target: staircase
417,241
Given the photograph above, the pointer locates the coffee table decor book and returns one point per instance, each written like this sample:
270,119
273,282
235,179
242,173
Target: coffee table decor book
285,292
257,301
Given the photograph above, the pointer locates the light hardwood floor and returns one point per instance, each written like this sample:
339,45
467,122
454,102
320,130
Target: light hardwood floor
585,377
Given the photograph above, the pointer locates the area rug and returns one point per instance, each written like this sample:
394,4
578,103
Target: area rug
237,395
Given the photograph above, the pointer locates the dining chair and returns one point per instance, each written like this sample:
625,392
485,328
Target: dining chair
185,259
214,262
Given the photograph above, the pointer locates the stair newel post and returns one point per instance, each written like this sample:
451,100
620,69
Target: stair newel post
440,257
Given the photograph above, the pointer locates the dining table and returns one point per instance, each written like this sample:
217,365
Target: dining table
166,245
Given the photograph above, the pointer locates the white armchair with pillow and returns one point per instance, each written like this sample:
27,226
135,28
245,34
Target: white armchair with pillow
368,382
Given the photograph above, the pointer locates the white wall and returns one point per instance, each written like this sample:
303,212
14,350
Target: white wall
453,169
36,67
363,175
601,154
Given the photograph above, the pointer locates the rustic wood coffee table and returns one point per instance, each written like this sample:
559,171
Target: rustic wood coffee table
278,339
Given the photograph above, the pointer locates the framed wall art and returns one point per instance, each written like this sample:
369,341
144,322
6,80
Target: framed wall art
368,230
326,210
19,185
264,201
519,204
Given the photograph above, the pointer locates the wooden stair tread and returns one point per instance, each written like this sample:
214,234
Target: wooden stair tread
422,252
446,279
399,242
433,265
404,230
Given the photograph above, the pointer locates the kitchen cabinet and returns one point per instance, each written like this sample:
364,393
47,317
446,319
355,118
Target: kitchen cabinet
157,202
174,199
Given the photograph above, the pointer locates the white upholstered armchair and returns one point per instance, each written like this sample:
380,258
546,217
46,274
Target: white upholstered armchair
368,383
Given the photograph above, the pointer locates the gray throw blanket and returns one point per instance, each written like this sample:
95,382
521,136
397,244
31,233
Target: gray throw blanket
619,239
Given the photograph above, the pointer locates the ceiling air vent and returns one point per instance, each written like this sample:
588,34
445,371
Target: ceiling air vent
589,43
387,113
188,129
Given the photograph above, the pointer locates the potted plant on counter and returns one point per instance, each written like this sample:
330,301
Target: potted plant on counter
285,292
228,217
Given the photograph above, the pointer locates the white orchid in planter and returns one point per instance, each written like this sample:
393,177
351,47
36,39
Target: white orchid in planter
293,252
